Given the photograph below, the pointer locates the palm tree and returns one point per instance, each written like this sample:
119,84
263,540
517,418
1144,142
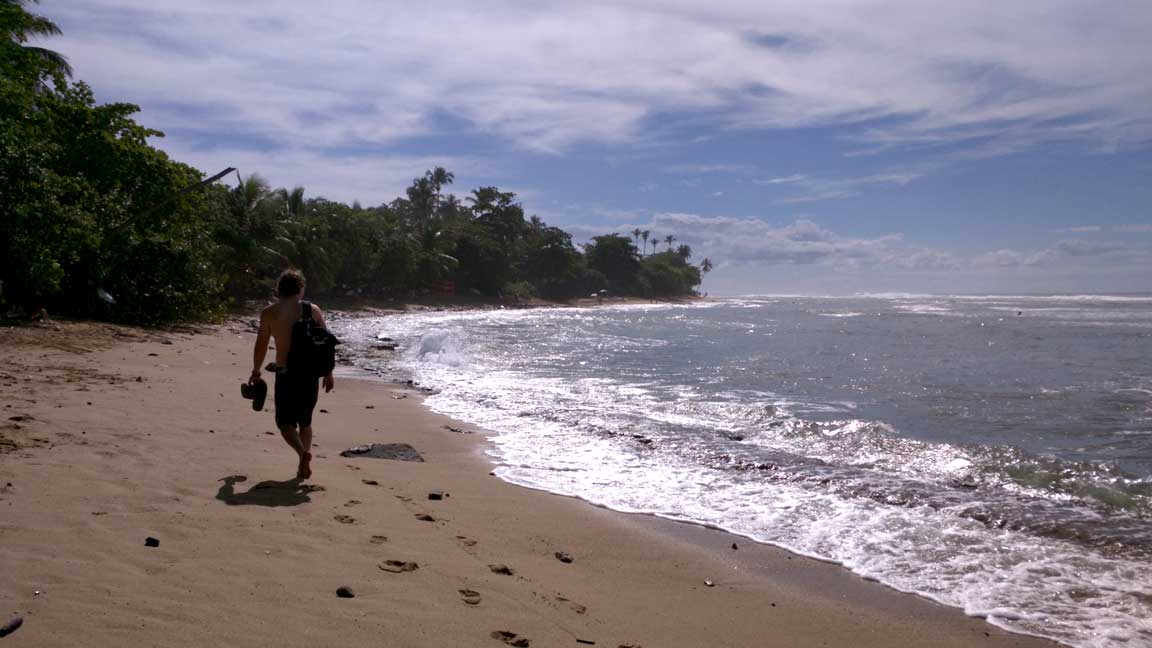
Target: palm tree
636,237
440,178
17,25
294,205
644,234
669,239
655,242
684,251
706,265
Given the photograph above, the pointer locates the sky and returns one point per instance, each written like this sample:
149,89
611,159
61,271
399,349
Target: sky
804,146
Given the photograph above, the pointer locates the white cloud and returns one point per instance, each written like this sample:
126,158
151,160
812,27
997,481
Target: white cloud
700,169
812,189
996,77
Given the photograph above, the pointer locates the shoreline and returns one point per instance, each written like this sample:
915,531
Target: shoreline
265,562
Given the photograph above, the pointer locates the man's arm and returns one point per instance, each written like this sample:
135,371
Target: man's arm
261,349
317,315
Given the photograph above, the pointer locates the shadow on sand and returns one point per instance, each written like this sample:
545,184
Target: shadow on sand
267,493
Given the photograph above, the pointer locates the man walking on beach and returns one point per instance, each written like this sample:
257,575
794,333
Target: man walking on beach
296,390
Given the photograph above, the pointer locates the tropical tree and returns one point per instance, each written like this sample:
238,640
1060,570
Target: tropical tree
636,237
18,58
684,251
615,256
655,242
644,234
669,240
706,265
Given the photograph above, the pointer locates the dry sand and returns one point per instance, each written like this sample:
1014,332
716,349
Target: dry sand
111,435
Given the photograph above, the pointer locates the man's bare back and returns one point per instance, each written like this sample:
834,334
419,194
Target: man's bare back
276,322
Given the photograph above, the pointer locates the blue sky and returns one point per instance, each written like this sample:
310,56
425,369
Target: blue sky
804,146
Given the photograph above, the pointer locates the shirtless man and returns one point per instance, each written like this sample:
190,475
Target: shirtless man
295,394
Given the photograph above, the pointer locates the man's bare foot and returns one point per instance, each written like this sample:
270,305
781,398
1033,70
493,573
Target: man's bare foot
305,470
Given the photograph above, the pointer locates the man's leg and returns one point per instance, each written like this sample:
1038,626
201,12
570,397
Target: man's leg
295,439
306,458
292,437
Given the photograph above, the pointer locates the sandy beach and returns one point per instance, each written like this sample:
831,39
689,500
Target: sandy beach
112,435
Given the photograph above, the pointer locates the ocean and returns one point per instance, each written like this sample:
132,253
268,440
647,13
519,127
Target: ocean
992,453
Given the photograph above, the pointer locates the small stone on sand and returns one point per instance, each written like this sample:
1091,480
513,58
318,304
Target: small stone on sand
370,482
709,583
345,592
563,557
436,495
501,569
151,542
734,547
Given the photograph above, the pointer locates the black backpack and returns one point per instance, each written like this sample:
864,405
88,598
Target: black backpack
313,350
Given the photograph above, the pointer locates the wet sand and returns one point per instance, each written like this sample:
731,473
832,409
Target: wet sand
112,435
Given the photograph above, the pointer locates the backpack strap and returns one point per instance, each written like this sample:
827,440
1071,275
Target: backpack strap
306,310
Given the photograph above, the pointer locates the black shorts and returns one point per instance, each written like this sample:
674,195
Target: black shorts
295,399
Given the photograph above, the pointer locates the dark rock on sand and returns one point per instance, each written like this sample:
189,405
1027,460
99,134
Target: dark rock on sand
501,569
563,557
436,495
511,638
734,547
151,542
11,626
394,451
345,592
370,482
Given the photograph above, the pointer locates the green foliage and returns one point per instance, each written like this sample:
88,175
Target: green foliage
668,274
78,185
617,259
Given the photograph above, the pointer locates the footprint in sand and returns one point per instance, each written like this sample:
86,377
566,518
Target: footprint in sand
351,502
398,566
370,482
576,607
511,638
501,569
466,541
424,517
471,597
345,519
378,539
